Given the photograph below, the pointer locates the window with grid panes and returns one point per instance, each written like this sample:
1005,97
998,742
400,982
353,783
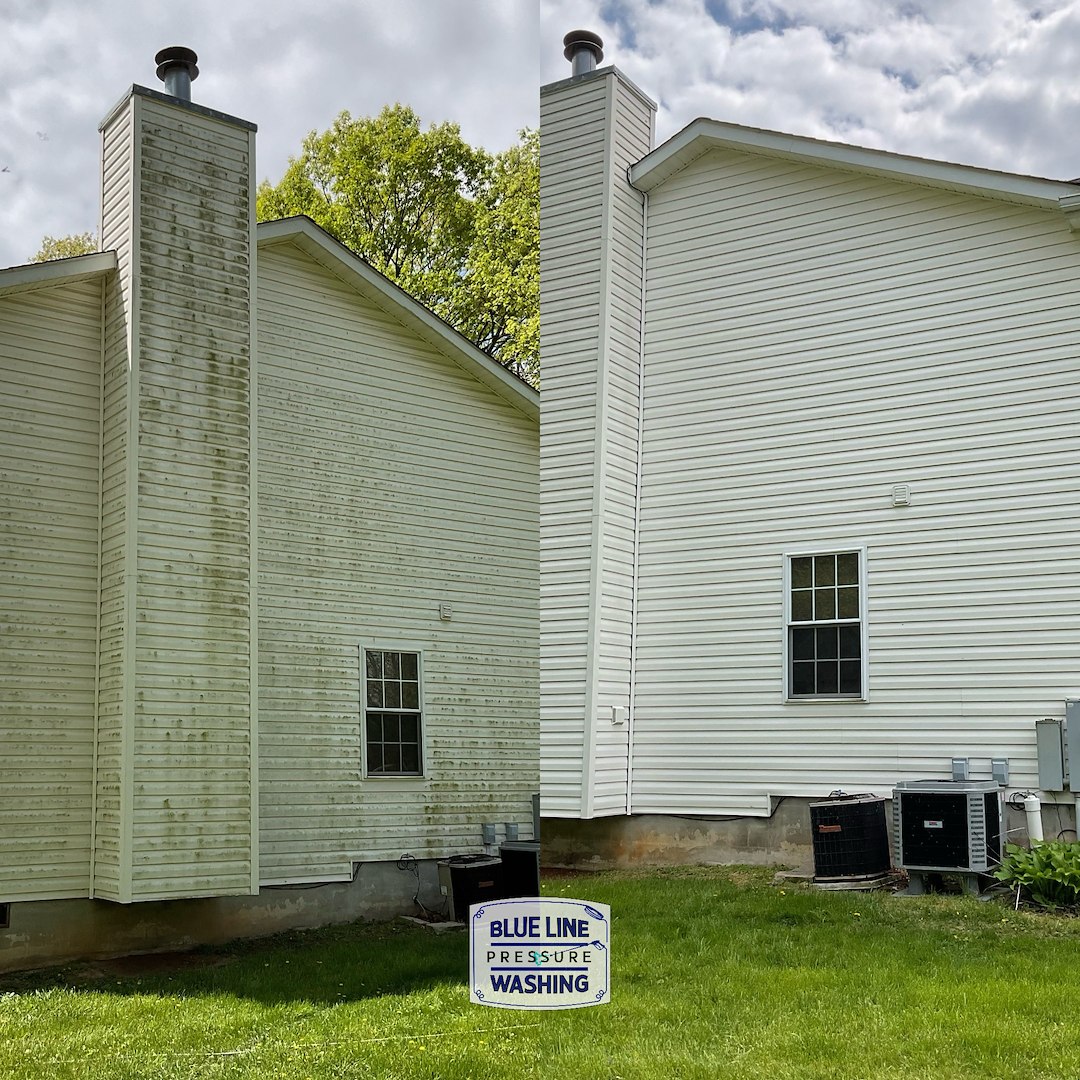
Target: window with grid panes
392,713
825,631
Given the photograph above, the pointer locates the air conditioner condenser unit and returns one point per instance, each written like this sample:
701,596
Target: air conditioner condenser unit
947,826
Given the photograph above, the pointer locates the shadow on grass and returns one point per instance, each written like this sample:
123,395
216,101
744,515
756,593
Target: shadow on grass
333,965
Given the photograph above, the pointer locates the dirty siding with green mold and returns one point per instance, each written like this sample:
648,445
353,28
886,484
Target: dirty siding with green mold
238,511
50,359
175,768
391,482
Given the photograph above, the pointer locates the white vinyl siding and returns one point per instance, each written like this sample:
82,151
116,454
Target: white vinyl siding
175,762
815,337
631,137
112,852
590,290
50,407
391,482
572,192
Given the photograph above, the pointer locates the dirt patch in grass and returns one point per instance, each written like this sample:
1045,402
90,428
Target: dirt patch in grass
88,972
164,963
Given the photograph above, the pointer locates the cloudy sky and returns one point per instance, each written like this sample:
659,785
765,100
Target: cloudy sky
288,67
981,82
984,82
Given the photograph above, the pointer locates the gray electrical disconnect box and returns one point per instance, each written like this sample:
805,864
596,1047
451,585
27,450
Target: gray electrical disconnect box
1072,742
1050,747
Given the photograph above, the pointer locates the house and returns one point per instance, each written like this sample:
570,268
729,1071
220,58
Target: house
269,568
808,476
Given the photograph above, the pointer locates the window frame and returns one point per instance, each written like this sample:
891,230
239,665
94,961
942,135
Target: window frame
790,698
395,647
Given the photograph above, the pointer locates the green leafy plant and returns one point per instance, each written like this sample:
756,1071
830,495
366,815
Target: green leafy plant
454,226
1048,873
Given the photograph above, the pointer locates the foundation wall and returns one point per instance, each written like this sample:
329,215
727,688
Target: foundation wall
47,932
665,840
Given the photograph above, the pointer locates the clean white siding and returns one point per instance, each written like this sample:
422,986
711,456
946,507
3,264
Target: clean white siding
390,482
630,140
50,406
572,189
815,337
590,289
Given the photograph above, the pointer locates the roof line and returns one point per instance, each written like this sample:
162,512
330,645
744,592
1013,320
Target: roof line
346,264
45,275
702,135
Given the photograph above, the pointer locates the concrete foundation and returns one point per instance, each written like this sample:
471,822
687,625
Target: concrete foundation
46,932
665,840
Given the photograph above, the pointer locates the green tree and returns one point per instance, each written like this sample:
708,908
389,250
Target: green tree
65,247
497,303
455,227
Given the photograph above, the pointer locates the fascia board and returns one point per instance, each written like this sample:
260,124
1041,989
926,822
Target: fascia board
703,135
46,275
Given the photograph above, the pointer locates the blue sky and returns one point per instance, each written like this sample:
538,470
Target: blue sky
982,82
289,68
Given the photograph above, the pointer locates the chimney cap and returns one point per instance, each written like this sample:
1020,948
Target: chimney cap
174,56
578,40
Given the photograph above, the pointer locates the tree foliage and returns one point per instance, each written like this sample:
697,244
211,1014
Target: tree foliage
499,296
455,227
66,247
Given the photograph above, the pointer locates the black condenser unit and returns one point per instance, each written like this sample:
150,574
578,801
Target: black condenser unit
521,867
948,825
851,838
469,879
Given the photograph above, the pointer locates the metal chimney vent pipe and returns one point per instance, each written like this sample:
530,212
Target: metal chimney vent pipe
584,50
176,68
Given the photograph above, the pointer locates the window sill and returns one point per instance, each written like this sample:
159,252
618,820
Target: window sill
825,699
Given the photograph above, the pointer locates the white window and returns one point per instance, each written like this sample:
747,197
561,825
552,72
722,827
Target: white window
826,625
392,721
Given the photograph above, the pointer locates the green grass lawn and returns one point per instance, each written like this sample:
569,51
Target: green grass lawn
715,973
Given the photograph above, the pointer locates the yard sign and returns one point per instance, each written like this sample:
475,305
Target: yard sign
539,953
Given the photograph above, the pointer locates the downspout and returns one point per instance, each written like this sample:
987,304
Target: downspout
637,507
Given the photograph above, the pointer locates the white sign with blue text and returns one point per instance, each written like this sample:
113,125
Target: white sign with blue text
540,953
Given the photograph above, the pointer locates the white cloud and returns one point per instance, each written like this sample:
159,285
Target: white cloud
985,82
65,63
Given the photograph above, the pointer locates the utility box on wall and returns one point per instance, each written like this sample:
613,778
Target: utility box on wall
1072,740
1050,749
